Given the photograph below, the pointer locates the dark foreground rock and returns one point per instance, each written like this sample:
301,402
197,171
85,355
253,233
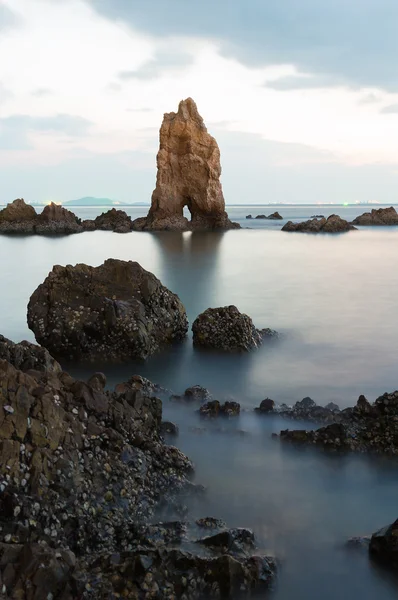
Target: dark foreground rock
83,472
26,356
364,428
384,545
378,216
227,329
333,224
113,312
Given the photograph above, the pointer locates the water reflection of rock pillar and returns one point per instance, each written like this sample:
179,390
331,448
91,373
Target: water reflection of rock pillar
189,266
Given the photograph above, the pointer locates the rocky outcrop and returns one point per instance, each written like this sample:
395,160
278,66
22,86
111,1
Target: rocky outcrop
227,329
365,427
54,219
333,224
384,545
82,474
266,407
112,220
18,217
188,174
378,216
113,312
215,409
273,217
26,356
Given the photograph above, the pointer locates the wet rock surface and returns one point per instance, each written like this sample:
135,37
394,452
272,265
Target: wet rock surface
333,224
195,393
83,474
214,408
188,174
114,312
365,427
227,329
26,356
378,217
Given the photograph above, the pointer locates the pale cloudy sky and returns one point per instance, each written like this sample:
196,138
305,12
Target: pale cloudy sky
302,96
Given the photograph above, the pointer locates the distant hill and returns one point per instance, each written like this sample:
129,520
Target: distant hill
90,201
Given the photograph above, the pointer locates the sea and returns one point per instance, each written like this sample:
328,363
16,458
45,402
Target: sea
333,299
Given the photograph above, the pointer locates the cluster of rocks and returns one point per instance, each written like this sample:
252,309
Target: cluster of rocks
119,311
365,427
214,408
333,224
83,474
188,174
226,328
19,217
114,312
379,216
274,216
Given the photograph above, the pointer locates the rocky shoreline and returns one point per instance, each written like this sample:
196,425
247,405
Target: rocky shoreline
21,218
84,474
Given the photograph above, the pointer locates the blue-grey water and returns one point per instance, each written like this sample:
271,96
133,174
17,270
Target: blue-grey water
333,298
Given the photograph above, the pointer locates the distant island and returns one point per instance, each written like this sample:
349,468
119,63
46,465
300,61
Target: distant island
91,201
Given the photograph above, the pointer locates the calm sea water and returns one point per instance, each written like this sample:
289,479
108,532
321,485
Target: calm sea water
334,300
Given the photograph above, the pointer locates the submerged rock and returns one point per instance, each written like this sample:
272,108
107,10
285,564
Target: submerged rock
54,219
333,224
215,409
188,174
384,545
18,217
227,329
266,406
378,216
364,428
113,312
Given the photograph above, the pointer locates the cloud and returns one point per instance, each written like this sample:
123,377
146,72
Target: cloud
7,18
113,87
5,94
390,110
353,41
40,92
144,109
164,60
15,130
302,82
370,98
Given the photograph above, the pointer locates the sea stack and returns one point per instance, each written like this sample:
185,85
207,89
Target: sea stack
188,174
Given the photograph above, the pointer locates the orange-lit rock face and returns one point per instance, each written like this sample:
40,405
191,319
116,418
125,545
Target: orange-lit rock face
189,170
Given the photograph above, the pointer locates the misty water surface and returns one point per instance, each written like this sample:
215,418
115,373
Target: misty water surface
333,299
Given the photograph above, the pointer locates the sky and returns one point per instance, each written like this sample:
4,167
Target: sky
302,97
